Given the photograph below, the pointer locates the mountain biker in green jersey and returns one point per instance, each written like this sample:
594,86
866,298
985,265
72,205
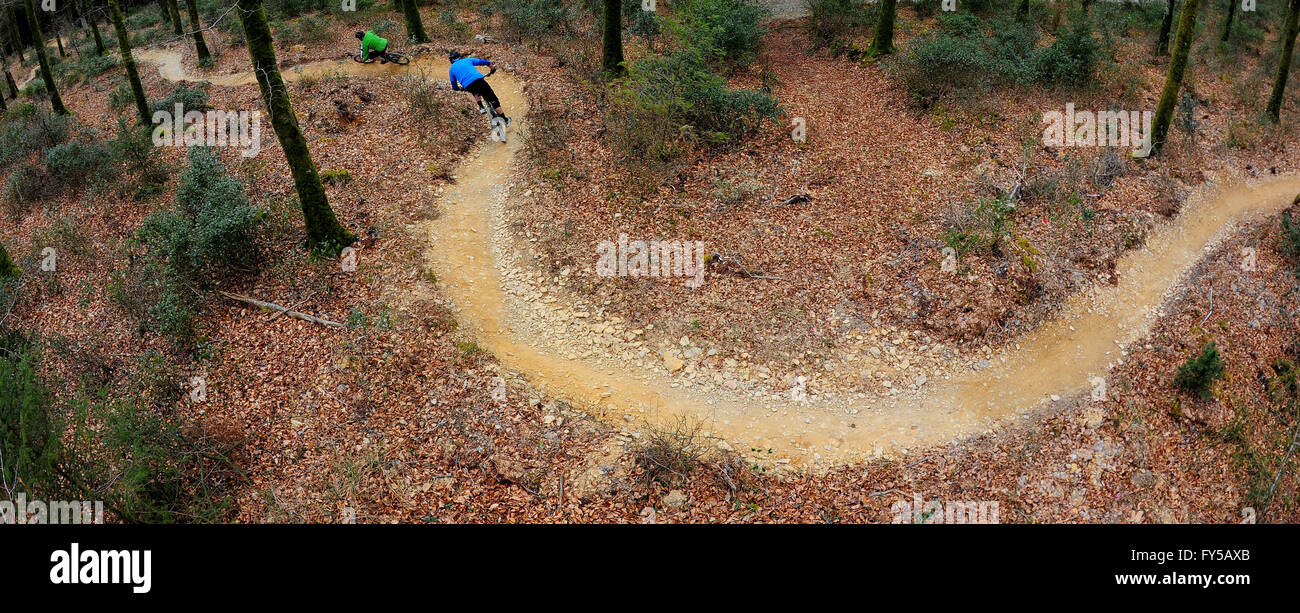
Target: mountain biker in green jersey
373,46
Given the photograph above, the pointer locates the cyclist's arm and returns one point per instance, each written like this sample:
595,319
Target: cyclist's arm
365,53
455,86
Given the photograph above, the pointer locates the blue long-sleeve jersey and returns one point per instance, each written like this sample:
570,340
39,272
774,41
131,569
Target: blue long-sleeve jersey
463,71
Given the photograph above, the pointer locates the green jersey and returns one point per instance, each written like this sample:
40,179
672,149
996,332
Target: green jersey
371,43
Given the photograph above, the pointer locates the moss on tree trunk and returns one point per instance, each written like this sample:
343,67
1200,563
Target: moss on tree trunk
1227,21
174,14
882,40
38,41
612,39
200,46
128,62
7,268
325,235
1289,33
1174,80
414,26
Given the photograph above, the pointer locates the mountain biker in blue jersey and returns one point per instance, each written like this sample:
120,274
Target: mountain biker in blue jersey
465,76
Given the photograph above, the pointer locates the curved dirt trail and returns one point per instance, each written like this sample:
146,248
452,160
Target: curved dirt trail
470,249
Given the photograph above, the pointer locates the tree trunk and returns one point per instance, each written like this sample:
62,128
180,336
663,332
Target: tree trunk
174,14
7,268
1023,11
13,32
1227,22
93,20
612,57
58,41
4,108
128,62
324,233
1162,43
1174,80
200,46
414,26
38,41
1289,33
882,41
13,87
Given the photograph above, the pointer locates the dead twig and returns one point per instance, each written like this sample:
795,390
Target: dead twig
285,310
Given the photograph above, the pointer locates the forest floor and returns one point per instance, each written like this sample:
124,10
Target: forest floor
401,416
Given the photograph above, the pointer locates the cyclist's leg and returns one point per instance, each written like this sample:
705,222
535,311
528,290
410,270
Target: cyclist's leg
491,96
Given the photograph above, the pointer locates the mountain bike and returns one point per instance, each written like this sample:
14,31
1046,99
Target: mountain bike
394,57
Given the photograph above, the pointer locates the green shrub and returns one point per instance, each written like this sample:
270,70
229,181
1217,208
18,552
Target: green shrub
732,28
35,133
96,64
35,89
73,163
1072,58
305,30
829,21
979,226
530,19
1197,374
190,99
28,184
179,251
1291,238
29,435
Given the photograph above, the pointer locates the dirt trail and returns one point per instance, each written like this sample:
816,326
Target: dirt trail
473,255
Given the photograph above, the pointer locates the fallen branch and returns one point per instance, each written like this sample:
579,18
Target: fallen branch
285,310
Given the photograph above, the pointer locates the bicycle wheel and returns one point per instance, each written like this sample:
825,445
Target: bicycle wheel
356,57
498,128
401,59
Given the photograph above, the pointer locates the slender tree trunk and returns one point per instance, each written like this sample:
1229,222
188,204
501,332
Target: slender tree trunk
9,80
128,62
1227,22
58,41
1162,43
1056,15
3,107
92,19
1174,80
325,235
612,56
174,14
882,41
13,32
1289,33
1023,11
38,41
414,26
7,268
200,46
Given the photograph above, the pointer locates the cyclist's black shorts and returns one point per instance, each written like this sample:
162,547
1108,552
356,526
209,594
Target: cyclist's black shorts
480,87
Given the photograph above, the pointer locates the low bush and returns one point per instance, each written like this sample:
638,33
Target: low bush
178,252
76,162
963,56
1197,374
190,99
732,29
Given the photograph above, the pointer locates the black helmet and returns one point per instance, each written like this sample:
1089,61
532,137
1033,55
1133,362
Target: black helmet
453,56
360,34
